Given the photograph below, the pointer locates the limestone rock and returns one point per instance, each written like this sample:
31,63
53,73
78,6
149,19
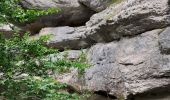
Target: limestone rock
70,78
129,67
65,38
129,48
165,40
125,19
128,18
72,14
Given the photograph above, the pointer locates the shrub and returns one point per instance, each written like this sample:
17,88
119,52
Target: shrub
24,71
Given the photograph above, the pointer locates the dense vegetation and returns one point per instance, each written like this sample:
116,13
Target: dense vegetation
26,71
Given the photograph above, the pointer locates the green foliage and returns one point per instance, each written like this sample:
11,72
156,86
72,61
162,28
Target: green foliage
24,70
116,1
10,11
24,55
35,88
80,63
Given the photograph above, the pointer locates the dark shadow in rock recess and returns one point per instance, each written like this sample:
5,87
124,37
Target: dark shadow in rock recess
105,95
59,19
162,93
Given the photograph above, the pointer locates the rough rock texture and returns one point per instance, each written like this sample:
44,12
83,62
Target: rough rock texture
165,41
96,5
128,48
127,18
131,17
66,38
72,13
70,78
129,67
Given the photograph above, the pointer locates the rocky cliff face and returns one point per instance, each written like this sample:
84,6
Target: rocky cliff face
127,42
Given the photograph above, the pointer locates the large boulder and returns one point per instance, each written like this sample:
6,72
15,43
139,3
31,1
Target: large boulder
72,13
130,67
128,18
124,19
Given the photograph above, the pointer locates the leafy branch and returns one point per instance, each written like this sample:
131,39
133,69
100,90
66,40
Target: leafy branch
11,11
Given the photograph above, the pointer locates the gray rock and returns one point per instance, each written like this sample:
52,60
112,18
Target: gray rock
164,38
70,78
9,29
97,5
72,14
127,18
65,38
129,67
4,27
6,30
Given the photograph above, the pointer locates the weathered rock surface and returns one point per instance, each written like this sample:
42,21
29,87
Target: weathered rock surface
72,13
129,67
129,48
165,41
96,5
66,38
127,18
131,17
71,78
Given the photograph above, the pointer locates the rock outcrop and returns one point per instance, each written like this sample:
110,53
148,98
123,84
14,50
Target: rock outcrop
127,18
127,42
72,14
65,38
129,67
